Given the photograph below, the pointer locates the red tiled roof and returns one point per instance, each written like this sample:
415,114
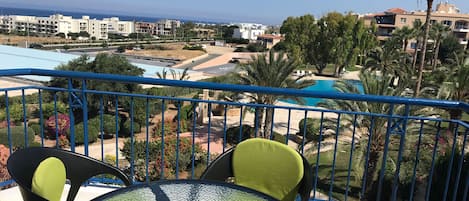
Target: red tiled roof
270,36
396,10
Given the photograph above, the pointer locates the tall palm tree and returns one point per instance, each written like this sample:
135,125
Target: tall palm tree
439,31
372,84
417,34
424,47
404,34
270,70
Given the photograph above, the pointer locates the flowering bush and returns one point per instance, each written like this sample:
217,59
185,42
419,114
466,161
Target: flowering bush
4,154
63,126
154,160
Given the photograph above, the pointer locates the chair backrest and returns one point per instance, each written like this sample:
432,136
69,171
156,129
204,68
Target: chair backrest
79,168
266,166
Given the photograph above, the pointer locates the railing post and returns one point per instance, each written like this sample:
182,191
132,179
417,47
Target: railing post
85,115
71,116
399,155
385,154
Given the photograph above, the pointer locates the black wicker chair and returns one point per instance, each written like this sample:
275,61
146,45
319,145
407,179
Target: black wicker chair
79,168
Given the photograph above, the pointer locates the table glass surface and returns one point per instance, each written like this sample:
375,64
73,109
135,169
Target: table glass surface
185,190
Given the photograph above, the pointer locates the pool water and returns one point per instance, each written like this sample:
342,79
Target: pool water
326,86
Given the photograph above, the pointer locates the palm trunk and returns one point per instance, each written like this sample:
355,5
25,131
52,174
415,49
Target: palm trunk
414,56
424,47
268,122
372,170
259,113
436,52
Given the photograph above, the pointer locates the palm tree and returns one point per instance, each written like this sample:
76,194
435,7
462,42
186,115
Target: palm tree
439,31
176,75
424,47
404,34
270,70
417,34
375,127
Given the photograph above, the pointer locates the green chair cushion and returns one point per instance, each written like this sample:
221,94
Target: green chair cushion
49,179
269,167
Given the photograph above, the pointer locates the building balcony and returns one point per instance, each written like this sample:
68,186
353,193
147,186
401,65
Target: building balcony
152,130
461,29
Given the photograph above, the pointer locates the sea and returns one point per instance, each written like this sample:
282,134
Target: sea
47,13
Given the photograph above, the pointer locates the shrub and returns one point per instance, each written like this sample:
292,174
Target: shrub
48,110
125,129
17,136
62,128
312,129
232,134
16,113
109,123
170,128
4,154
154,150
279,138
93,132
4,124
36,127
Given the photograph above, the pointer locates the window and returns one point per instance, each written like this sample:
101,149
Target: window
403,20
432,21
447,22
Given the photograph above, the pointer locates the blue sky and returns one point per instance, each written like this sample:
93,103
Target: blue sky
262,11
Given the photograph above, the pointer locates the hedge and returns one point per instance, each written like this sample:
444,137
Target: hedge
17,136
93,133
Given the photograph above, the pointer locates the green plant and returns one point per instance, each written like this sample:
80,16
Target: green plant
17,136
48,110
232,134
155,160
312,129
93,132
109,123
125,130
36,127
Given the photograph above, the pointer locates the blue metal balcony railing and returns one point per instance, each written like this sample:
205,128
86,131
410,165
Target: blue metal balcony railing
398,154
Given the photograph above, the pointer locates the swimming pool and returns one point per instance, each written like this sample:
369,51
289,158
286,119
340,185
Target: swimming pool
16,57
326,86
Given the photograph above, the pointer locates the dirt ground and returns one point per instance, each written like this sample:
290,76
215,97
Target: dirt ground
10,39
173,51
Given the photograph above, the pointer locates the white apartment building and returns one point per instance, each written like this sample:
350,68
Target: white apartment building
249,31
58,23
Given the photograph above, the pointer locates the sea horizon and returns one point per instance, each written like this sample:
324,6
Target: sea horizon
93,14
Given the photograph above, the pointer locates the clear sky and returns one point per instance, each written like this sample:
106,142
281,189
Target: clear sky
262,11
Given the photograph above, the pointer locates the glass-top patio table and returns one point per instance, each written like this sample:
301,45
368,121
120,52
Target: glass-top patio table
199,190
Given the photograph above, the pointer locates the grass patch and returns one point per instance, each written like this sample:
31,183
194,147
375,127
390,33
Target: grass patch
324,173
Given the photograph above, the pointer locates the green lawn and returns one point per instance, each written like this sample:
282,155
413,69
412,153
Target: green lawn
341,172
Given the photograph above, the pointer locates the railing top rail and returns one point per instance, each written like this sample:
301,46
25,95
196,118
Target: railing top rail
236,88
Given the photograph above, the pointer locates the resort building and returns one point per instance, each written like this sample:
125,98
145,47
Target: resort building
54,24
160,28
249,31
445,13
269,40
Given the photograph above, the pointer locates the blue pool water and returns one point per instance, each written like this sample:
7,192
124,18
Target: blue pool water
326,86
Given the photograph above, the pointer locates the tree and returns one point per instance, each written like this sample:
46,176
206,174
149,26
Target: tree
300,34
439,32
424,47
84,34
418,32
374,127
176,75
404,34
449,47
103,63
270,70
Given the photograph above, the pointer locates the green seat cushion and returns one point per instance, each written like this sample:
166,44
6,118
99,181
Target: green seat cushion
49,179
269,167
